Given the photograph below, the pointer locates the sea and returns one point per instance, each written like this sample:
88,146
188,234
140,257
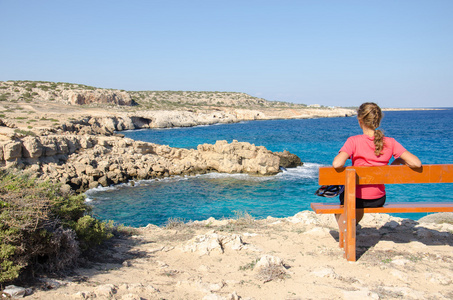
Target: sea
426,133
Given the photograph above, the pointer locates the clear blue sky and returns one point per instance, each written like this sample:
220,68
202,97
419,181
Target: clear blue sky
398,53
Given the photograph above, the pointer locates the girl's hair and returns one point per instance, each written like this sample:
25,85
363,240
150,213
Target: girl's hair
371,116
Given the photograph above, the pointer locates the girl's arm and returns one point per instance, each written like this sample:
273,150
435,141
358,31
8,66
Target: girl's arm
340,160
408,159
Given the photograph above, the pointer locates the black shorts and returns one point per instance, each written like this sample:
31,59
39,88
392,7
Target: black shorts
362,203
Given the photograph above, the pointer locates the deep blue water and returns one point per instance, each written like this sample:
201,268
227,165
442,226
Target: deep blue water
427,134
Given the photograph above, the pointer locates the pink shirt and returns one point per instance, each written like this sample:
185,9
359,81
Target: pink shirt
360,149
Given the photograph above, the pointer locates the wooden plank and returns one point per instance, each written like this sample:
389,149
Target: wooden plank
412,208
389,175
395,207
350,204
326,208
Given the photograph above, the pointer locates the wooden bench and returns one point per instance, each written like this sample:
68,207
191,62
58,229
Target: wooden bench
351,176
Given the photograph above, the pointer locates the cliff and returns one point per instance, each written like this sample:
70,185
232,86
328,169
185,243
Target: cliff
35,108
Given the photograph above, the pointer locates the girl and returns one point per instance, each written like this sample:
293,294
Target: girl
372,148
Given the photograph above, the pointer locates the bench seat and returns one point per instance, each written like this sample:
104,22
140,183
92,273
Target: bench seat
394,207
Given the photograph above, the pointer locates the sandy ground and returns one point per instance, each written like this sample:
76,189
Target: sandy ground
290,258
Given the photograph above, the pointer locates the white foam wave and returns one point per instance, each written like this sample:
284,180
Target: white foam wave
132,130
89,193
239,176
307,171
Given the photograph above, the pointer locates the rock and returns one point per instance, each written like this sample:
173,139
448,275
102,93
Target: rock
268,260
32,147
212,222
106,290
289,160
125,123
131,296
127,264
93,184
438,218
12,150
213,242
51,283
400,261
84,295
143,148
239,157
16,291
49,146
307,217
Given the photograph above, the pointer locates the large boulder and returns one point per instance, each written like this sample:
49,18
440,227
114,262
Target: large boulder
239,157
32,147
289,160
12,150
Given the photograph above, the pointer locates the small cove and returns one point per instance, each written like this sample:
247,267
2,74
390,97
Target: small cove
428,134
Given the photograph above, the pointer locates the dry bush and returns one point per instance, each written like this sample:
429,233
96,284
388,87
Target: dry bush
173,223
271,272
41,228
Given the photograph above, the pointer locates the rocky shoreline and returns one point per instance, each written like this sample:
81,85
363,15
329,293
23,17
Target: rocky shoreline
81,162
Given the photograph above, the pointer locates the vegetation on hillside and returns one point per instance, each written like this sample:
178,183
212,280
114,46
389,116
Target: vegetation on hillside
43,229
203,99
41,91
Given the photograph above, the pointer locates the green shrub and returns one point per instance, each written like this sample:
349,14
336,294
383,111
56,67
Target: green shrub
8,269
24,132
42,228
92,232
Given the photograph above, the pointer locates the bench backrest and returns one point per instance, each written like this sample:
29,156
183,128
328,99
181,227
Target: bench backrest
388,175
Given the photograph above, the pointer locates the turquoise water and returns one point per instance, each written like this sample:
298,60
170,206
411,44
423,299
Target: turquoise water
427,134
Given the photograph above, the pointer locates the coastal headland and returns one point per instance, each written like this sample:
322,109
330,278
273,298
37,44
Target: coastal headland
71,133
